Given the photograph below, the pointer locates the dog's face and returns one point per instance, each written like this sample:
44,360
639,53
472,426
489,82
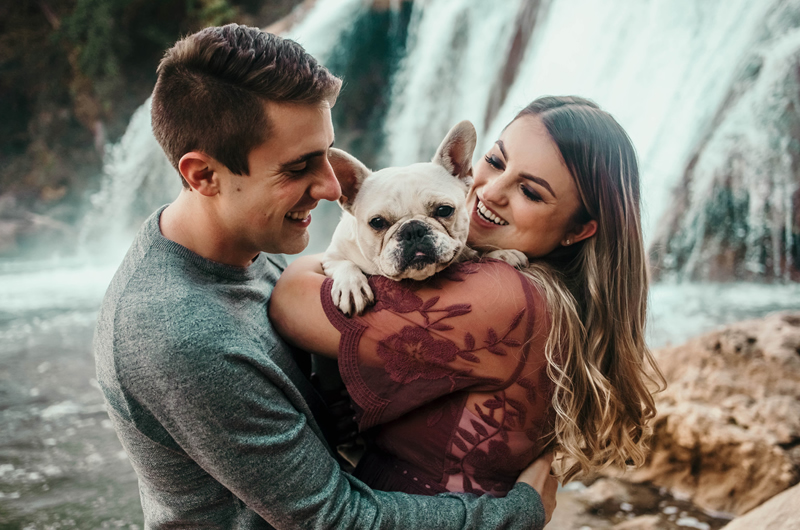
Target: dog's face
411,221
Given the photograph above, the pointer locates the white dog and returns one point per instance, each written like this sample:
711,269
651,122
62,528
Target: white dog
402,222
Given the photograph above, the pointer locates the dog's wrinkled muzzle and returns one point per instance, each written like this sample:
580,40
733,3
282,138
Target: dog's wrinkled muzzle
417,246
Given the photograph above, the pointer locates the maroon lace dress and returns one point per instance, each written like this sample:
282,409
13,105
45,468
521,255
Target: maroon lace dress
453,371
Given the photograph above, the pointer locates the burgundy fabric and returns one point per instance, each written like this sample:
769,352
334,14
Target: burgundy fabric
453,371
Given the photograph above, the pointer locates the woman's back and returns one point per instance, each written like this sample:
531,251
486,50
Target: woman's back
453,369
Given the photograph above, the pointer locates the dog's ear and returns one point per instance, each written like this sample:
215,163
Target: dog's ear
350,173
455,152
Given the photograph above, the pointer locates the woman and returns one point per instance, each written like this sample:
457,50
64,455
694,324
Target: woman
474,373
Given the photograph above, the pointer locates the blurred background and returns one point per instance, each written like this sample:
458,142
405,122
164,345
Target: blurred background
709,91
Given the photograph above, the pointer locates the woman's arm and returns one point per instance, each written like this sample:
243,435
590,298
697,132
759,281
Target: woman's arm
296,312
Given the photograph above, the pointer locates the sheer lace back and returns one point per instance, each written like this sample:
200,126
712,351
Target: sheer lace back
453,369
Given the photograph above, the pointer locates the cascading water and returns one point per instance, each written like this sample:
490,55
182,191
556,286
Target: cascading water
137,178
662,68
738,213
666,69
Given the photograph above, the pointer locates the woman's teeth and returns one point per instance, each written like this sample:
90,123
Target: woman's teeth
298,216
489,216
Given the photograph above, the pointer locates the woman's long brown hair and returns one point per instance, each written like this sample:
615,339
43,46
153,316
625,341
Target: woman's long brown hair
597,295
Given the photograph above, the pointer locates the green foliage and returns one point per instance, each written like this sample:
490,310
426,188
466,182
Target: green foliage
92,29
73,71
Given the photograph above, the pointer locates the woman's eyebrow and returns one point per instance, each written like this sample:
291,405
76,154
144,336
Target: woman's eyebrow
502,147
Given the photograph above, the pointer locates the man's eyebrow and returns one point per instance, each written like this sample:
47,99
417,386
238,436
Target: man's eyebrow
303,158
540,181
527,176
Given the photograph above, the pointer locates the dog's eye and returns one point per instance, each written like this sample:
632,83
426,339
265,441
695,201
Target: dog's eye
444,211
378,223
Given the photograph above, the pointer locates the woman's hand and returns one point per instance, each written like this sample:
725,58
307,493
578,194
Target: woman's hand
295,308
537,475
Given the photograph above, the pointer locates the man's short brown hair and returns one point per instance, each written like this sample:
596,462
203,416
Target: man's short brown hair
212,87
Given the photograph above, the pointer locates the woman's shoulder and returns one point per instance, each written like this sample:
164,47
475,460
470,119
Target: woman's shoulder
487,286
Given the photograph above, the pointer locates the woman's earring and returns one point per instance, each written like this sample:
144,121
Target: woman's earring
567,242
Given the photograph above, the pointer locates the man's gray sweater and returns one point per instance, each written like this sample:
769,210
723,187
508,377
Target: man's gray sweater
216,415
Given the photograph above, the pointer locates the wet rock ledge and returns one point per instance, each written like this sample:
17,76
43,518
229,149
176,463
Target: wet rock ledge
727,433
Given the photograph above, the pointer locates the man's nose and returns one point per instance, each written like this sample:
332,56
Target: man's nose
326,185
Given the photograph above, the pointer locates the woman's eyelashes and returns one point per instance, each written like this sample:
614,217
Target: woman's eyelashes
531,194
493,161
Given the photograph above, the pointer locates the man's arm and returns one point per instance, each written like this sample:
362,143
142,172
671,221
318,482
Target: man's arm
296,312
240,423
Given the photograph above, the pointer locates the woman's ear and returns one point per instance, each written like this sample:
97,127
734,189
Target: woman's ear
584,231
198,170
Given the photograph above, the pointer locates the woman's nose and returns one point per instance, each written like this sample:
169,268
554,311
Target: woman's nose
495,188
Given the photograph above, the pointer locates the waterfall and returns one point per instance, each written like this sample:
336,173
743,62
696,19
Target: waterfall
661,67
137,178
738,213
668,70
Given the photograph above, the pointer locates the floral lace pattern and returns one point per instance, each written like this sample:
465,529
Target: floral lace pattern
453,370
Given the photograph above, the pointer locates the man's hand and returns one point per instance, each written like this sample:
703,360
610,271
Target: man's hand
537,475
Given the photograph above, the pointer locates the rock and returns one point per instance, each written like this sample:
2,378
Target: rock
643,522
779,513
609,494
727,433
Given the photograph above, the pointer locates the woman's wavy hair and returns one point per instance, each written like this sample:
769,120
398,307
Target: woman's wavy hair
596,291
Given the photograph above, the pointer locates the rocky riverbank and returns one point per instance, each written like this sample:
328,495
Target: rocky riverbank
727,434
726,438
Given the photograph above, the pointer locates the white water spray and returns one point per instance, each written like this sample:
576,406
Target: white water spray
662,68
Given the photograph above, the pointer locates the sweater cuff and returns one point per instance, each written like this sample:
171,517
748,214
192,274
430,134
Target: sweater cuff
524,495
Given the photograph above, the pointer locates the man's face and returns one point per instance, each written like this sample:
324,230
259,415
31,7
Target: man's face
269,209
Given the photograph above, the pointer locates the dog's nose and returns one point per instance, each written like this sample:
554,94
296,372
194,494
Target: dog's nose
413,230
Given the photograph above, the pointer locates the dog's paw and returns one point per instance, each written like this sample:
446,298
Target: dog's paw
515,258
351,292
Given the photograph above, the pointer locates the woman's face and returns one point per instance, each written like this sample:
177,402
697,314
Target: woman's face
523,196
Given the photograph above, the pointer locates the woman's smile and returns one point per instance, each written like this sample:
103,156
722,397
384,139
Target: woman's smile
485,214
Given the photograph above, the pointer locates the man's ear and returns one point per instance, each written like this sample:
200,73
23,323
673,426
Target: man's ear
455,152
350,173
198,170
584,231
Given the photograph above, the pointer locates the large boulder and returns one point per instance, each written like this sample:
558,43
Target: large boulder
727,433
779,513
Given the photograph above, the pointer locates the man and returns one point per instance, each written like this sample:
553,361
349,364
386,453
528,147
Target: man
211,407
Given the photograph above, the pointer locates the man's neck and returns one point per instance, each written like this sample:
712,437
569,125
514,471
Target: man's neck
192,224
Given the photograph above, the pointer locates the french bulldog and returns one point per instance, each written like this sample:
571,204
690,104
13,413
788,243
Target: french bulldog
402,222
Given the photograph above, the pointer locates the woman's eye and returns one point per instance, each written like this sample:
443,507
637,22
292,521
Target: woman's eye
532,195
493,161
444,211
378,223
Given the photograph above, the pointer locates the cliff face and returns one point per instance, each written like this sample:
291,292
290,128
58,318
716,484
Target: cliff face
736,213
